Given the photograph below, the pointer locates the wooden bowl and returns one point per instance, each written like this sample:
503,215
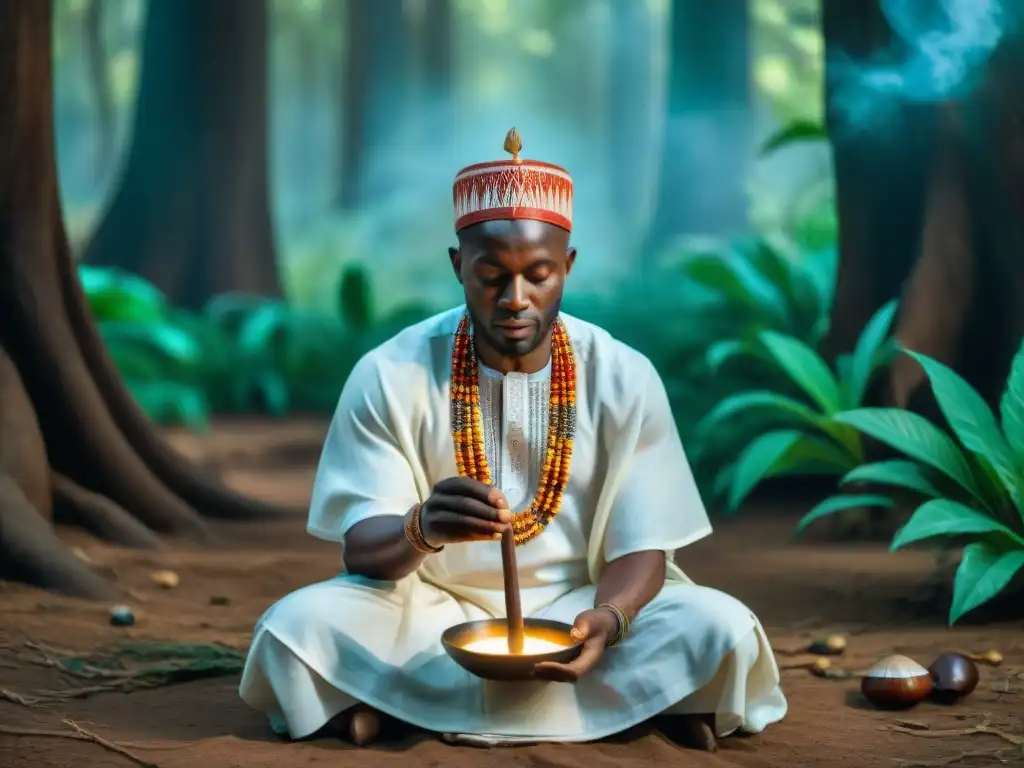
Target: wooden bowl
493,666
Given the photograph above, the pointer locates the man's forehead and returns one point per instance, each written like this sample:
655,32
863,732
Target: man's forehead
513,234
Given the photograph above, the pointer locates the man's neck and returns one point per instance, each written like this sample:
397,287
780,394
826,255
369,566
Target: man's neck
532,362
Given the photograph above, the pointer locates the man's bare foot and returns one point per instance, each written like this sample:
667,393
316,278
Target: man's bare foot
363,726
694,731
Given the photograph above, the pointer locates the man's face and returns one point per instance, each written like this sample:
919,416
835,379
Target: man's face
513,273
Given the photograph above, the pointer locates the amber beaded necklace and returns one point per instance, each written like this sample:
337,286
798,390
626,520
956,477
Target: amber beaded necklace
468,430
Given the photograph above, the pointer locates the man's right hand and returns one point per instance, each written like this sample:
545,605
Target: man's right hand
464,509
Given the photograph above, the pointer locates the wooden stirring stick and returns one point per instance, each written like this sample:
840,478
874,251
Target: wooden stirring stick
513,604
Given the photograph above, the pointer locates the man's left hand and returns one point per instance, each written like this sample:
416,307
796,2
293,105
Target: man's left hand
595,628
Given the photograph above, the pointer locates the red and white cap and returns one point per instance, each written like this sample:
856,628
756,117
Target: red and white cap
513,189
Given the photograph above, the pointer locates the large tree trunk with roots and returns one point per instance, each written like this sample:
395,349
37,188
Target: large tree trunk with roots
929,213
192,213
74,446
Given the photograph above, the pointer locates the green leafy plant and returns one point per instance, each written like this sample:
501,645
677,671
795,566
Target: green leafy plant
160,360
804,435
974,485
355,300
763,287
240,353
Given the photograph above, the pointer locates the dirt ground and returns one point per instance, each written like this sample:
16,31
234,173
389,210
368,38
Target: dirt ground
798,590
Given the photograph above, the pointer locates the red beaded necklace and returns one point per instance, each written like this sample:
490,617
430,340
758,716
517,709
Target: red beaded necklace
468,433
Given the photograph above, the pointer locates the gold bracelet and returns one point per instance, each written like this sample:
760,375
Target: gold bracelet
621,619
414,533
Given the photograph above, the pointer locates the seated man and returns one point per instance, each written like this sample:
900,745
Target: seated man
506,412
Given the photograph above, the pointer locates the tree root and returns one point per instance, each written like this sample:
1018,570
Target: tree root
112,469
1010,738
208,495
32,552
1001,756
99,515
81,734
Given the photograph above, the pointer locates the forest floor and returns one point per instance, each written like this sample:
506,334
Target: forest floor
798,590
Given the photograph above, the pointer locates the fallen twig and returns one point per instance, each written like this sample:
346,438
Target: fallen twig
938,762
81,734
17,698
1009,738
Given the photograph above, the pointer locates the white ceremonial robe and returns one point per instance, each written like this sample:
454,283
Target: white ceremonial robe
693,649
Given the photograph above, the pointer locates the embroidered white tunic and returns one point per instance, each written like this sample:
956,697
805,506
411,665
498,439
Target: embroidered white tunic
321,649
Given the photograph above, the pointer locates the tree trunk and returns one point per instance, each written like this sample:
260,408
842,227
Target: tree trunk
880,175
928,212
102,93
192,213
72,441
708,143
374,99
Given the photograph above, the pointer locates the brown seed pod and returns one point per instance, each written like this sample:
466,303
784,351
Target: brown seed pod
954,676
992,657
896,682
165,579
833,645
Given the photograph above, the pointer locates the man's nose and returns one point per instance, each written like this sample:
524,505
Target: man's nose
514,298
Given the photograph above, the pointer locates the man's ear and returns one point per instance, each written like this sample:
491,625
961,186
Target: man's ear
456,257
570,259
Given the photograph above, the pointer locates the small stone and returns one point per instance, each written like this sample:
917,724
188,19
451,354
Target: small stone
219,600
165,579
122,616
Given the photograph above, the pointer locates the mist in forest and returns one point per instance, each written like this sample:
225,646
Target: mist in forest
657,121
939,52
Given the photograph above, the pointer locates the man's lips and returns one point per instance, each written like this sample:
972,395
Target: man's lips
515,330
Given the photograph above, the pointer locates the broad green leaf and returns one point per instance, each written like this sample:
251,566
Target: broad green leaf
864,360
757,462
171,404
113,294
835,504
904,474
265,332
818,456
796,132
228,311
983,573
945,517
723,481
769,260
273,394
722,351
918,438
174,344
737,282
1011,409
972,421
989,482
782,452
805,367
770,403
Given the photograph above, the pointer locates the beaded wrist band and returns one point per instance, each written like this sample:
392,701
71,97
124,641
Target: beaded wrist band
414,533
622,620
